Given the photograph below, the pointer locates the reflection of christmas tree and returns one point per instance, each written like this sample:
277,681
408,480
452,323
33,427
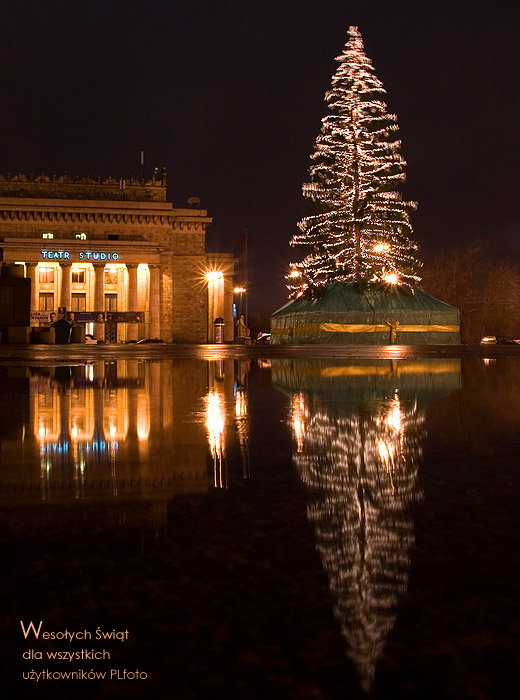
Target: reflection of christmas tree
362,468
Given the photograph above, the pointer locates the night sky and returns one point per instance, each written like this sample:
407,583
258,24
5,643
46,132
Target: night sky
229,95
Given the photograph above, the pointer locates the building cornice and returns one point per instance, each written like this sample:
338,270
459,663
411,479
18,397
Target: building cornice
102,212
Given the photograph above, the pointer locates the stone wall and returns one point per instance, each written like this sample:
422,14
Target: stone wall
189,310
67,187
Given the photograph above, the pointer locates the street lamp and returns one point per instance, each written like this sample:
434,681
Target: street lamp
240,291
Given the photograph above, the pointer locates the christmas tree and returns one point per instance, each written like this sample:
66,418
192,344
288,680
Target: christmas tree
362,234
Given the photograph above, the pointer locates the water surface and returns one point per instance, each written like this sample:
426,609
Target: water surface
292,527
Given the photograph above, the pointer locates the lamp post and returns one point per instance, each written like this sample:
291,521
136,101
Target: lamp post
240,291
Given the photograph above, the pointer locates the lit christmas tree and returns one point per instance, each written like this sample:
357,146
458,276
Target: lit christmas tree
363,233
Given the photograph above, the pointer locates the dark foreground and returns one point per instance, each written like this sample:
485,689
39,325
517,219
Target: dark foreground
265,522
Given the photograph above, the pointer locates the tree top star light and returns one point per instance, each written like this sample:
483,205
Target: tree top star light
362,234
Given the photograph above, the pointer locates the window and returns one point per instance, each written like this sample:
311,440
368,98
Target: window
46,275
81,236
47,235
78,276
46,301
110,276
110,302
78,302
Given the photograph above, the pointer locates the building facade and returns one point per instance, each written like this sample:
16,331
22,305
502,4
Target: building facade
116,255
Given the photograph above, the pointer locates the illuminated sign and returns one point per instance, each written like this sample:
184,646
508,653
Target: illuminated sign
82,255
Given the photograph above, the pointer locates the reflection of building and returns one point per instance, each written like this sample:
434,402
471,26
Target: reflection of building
124,429
358,432
121,429
115,246
242,422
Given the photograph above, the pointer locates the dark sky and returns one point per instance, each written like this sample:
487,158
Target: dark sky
229,95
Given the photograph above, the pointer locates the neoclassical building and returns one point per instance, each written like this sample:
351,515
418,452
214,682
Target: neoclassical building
117,255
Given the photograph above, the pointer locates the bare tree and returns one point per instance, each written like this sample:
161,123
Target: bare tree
486,291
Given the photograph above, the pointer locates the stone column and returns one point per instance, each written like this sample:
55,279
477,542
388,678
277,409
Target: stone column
227,311
31,274
65,297
132,328
99,298
211,311
166,286
155,301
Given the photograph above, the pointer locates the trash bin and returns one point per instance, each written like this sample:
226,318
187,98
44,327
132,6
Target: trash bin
219,329
62,331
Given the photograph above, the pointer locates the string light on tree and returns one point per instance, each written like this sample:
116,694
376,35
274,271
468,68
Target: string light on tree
362,233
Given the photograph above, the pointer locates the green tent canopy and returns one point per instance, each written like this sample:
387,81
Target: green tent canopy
348,315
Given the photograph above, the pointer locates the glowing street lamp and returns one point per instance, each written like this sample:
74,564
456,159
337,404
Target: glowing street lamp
213,276
240,291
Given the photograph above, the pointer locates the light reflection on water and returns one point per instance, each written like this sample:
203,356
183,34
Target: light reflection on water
358,433
122,430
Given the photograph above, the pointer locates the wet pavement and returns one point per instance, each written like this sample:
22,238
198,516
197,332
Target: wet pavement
265,522
83,353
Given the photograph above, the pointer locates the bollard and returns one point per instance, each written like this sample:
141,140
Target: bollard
219,329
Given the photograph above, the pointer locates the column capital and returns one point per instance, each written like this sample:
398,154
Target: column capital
65,264
31,264
98,264
132,266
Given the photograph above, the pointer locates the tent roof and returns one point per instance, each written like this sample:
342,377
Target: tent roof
341,296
